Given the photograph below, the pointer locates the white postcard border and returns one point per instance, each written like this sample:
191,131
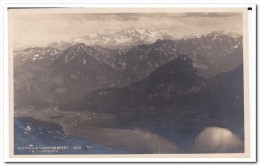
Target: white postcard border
252,82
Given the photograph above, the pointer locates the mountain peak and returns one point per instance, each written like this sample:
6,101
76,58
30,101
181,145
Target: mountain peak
165,85
80,44
181,68
179,72
181,61
77,54
80,48
215,34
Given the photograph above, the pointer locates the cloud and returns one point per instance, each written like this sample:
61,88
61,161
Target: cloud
40,29
100,17
117,16
217,140
202,14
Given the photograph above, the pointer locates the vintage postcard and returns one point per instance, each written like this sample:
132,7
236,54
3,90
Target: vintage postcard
128,82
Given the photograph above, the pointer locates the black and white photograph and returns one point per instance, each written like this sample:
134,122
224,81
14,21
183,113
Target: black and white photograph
128,81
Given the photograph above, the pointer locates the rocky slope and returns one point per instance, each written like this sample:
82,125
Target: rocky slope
46,75
173,101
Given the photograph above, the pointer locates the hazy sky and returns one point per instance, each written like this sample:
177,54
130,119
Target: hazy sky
41,29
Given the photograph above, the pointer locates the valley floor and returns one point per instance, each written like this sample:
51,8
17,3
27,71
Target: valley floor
91,126
123,133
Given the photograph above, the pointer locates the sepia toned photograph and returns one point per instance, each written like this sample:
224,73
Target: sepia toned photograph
128,81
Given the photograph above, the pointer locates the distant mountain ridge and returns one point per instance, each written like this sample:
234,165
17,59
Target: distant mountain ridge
79,70
38,55
209,53
123,39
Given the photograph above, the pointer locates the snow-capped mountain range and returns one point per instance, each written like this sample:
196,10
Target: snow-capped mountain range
116,39
208,52
82,68
36,53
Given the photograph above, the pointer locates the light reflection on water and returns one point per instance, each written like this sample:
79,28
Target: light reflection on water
140,141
